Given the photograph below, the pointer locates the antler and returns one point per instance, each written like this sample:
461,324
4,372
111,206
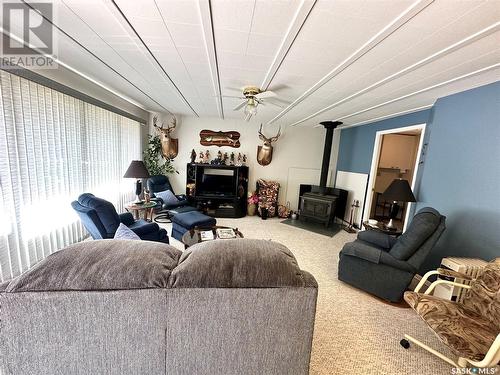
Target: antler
174,124
262,136
275,138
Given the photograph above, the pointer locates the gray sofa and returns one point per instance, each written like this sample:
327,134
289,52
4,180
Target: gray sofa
383,265
138,307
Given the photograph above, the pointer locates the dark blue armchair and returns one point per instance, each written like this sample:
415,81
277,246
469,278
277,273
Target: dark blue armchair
101,220
159,183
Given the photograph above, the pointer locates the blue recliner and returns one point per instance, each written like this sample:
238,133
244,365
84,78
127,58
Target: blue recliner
161,183
384,266
101,220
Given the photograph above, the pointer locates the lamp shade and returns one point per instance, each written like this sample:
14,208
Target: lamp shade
136,169
399,190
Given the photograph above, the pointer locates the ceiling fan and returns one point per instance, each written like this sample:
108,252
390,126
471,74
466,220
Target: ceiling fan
252,97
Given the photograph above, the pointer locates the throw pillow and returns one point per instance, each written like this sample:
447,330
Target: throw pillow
125,233
167,197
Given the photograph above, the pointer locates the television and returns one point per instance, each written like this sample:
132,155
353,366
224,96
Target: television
217,182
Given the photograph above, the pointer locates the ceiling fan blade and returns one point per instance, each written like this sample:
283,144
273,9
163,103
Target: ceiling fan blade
234,89
277,103
239,106
233,97
265,94
279,87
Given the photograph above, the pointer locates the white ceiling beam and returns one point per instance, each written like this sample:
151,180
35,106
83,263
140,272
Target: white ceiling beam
135,37
298,21
399,21
205,8
451,48
463,76
74,70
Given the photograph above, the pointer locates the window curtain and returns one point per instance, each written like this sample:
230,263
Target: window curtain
53,147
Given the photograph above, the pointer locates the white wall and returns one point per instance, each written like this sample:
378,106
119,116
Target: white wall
296,157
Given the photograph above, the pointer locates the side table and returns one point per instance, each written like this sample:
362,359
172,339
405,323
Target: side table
381,227
148,208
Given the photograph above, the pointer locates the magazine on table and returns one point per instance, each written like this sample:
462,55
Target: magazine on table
225,233
206,235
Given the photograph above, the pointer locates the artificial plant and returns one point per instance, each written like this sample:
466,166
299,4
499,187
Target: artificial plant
153,158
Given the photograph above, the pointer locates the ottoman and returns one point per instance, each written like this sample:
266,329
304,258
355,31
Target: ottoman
182,222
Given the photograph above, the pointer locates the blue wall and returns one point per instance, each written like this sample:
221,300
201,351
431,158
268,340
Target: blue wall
356,144
460,176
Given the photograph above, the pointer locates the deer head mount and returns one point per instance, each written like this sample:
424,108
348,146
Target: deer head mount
265,152
169,145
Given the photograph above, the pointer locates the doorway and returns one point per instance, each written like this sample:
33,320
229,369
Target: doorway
396,155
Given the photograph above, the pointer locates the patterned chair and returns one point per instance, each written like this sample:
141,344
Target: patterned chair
268,196
471,327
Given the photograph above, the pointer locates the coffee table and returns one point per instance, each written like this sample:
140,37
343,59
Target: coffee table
192,236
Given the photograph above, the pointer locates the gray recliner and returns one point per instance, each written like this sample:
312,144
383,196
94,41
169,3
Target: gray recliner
383,265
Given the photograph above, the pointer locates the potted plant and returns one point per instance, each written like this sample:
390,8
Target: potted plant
252,201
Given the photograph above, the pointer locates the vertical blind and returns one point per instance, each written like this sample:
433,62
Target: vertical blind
54,147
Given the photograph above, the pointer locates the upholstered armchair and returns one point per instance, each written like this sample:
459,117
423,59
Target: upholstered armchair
101,220
469,327
160,183
383,265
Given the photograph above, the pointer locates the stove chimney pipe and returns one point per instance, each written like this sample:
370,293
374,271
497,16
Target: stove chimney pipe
329,126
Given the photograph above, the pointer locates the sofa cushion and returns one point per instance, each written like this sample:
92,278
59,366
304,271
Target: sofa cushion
237,263
422,226
101,265
125,233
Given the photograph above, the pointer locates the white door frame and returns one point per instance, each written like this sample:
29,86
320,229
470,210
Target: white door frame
375,158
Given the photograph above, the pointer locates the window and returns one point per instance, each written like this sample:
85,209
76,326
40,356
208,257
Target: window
54,147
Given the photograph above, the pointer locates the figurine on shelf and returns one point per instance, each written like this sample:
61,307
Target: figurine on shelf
224,159
239,162
217,160
202,157
193,156
231,159
207,157
244,161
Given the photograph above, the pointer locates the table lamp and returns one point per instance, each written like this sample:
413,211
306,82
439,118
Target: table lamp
398,191
137,170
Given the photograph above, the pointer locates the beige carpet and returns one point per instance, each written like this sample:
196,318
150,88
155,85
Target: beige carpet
354,332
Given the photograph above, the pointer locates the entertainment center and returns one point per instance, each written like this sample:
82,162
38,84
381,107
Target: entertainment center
218,190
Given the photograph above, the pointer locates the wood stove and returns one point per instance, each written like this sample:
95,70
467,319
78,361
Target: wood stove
321,206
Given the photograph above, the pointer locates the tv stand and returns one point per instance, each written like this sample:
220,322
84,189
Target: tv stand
202,189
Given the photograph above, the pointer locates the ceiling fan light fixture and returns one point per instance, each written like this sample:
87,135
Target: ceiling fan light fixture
251,108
